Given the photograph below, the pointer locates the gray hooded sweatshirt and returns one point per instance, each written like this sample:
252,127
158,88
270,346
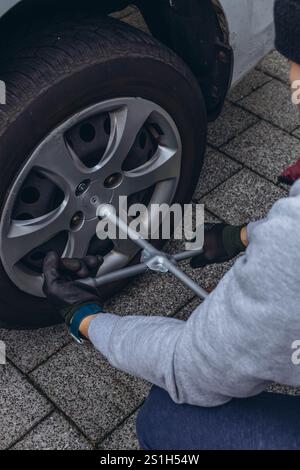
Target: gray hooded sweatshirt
243,337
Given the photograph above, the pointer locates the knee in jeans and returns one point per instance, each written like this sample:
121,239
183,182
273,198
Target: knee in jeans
143,428
146,424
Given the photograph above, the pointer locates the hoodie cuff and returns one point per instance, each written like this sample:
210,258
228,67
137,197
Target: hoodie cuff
100,330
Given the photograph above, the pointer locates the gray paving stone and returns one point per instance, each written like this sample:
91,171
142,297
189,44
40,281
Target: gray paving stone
208,277
54,433
93,394
21,406
243,198
123,438
248,84
27,349
284,389
231,122
265,149
296,133
216,169
273,103
185,313
276,65
150,294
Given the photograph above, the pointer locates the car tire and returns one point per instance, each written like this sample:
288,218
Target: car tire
65,67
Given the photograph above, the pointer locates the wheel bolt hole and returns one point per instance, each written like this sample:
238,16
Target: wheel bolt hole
113,181
82,187
87,132
30,195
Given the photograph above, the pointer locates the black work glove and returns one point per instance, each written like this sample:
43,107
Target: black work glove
221,243
61,285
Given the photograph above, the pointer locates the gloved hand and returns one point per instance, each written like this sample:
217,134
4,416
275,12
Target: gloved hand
61,285
222,243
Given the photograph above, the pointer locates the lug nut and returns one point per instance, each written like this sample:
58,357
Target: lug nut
82,187
76,220
113,181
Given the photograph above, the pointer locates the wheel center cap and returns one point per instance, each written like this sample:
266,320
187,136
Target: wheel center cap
93,198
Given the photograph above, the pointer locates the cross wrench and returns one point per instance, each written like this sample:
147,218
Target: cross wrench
151,259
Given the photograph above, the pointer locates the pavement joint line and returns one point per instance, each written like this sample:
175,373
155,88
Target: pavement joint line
119,425
277,185
260,118
49,357
298,129
222,182
55,406
245,166
194,298
252,91
187,302
29,430
269,74
221,219
238,132
212,214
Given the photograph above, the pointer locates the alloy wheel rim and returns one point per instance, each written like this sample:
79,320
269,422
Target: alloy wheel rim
83,187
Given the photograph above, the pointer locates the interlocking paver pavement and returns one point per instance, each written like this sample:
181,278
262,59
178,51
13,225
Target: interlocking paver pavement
276,66
254,81
57,395
272,102
297,132
22,406
86,388
243,198
123,438
265,149
232,121
31,348
53,433
217,168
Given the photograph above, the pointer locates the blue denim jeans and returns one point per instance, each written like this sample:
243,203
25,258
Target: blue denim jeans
267,421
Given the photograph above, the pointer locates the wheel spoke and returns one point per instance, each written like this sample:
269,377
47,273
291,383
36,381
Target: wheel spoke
126,123
57,161
126,247
25,236
165,165
78,241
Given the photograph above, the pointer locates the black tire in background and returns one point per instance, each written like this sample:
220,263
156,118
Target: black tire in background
69,66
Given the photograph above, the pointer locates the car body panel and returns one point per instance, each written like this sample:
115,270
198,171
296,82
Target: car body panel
251,29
